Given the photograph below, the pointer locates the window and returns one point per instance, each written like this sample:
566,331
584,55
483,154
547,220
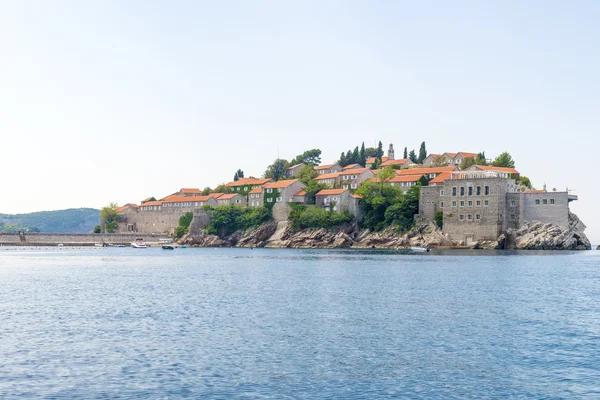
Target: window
478,203
478,191
269,190
441,193
545,201
454,204
462,203
353,186
470,190
441,204
470,217
537,201
477,217
345,186
513,203
462,190
486,203
461,217
279,200
238,201
486,190
513,217
270,200
551,201
454,191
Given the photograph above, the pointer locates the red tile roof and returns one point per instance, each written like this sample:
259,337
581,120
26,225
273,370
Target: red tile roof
185,199
279,184
441,178
327,176
452,155
324,166
434,170
328,192
154,203
255,191
356,171
395,162
372,160
356,196
147,199
351,166
215,195
301,193
248,181
295,166
126,206
467,155
227,196
405,178
190,191
501,169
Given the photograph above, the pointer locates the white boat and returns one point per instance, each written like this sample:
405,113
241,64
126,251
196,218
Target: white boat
419,249
139,244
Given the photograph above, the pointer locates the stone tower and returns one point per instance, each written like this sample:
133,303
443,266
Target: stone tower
391,152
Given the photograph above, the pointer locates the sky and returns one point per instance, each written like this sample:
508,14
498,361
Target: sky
113,101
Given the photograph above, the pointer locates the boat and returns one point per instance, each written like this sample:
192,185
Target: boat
139,244
168,247
419,249
100,245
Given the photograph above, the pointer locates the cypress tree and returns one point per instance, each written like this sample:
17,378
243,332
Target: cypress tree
355,156
413,156
422,153
379,150
405,153
362,158
343,161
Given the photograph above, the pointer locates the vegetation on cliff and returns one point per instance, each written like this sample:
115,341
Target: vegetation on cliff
227,219
184,224
302,216
110,218
73,220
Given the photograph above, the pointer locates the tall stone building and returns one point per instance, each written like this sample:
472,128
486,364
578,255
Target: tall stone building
391,152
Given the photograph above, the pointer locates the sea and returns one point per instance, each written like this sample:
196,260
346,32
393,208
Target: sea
123,323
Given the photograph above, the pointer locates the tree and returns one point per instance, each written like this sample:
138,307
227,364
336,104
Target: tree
97,229
525,181
504,160
440,162
480,159
184,224
413,156
439,218
362,158
422,154
405,153
467,162
312,188
355,156
306,173
310,157
385,175
109,217
342,161
222,188
376,198
370,152
379,150
206,191
239,174
276,171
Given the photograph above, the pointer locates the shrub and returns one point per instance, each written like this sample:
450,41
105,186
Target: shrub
439,218
228,219
97,229
302,216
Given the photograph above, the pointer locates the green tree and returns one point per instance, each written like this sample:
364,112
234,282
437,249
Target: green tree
413,156
525,181
97,229
405,153
376,198
184,224
370,152
206,191
480,159
307,173
504,160
277,170
422,154
239,174
355,156
379,150
309,157
439,218
362,158
467,162
312,188
110,217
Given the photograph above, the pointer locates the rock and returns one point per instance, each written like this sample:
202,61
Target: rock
598,248
543,236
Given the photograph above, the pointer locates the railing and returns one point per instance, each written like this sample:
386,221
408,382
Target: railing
478,174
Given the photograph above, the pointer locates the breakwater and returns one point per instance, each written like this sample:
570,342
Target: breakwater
73,239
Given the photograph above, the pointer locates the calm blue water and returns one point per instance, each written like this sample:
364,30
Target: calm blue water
297,324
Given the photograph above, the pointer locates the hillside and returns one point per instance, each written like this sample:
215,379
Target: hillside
73,220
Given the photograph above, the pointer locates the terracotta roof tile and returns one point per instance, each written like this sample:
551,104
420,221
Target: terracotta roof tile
327,176
248,181
301,193
126,206
356,196
395,162
467,155
295,166
434,170
227,196
405,178
255,191
441,178
492,168
324,166
190,191
185,199
328,192
154,203
350,166
357,171
279,184
371,160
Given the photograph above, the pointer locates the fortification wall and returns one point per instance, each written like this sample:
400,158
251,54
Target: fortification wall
547,207
73,239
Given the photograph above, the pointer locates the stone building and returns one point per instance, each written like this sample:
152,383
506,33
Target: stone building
481,205
293,170
339,200
352,178
328,169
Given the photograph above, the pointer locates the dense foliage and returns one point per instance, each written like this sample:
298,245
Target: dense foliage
184,224
74,220
238,174
276,171
309,157
525,181
504,160
302,216
228,219
384,205
110,217
422,154
439,218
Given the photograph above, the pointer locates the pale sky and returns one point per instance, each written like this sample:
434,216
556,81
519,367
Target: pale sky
106,101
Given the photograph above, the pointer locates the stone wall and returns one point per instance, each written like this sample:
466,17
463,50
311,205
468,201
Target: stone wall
78,239
281,211
155,221
557,213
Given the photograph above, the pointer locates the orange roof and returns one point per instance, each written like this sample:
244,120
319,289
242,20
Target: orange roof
295,166
215,195
154,203
190,191
356,171
435,170
327,176
169,196
441,178
395,162
255,191
434,155
301,193
501,169
452,155
372,160
227,196
184,199
467,155
350,166
327,192
325,166
405,178
279,184
356,196
248,181
126,206
147,199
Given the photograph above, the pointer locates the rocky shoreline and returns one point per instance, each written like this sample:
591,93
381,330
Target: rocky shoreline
533,236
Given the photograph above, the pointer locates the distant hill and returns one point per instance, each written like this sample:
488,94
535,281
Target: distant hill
73,220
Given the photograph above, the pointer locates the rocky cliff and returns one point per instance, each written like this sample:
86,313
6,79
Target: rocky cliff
532,236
